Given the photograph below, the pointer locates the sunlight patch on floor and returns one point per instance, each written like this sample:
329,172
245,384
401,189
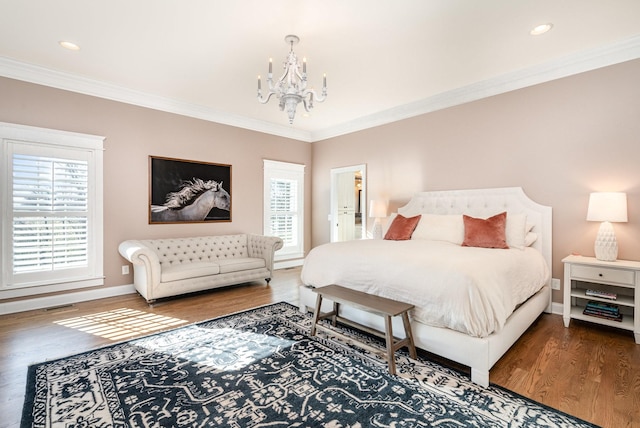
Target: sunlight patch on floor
120,323
219,348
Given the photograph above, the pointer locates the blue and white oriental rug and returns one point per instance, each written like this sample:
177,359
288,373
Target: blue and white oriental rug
259,368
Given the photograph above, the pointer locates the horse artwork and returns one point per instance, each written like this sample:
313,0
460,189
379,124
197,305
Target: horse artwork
192,203
188,191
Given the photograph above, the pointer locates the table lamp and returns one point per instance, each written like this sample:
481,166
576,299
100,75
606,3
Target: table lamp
607,207
377,209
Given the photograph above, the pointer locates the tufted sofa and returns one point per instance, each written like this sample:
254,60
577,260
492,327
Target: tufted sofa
169,267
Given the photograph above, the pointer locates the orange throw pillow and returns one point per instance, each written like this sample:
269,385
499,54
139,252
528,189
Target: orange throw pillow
402,228
489,233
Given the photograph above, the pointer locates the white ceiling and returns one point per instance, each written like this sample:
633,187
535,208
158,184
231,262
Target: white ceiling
385,59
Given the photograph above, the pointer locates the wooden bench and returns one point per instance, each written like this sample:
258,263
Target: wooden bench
384,307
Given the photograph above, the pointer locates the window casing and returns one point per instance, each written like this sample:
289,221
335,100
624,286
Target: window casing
284,206
51,235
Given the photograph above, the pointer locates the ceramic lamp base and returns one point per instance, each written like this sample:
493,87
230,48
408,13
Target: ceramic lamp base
606,246
376,231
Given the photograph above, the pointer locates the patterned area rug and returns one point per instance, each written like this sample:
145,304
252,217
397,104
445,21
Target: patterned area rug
260,369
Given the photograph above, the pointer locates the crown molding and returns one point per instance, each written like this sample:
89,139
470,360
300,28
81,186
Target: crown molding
579,62
43,76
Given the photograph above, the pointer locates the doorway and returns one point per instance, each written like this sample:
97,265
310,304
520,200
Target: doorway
348,203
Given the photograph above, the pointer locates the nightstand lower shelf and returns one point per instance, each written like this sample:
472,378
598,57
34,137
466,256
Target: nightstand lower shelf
576,314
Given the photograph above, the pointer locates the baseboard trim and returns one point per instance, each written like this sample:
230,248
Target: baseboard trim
556,308
64,299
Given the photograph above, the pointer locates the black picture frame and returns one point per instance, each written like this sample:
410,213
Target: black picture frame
188,191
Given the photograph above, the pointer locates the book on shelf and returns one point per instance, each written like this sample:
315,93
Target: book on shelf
602,315
602,306
603,310
601,294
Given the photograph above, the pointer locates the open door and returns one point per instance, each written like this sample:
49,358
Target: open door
348,207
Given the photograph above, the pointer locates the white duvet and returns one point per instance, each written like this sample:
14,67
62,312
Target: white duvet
472,290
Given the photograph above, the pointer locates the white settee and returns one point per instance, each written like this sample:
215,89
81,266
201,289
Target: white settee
169,267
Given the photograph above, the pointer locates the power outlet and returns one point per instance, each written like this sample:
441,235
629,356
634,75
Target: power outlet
125,269
555,284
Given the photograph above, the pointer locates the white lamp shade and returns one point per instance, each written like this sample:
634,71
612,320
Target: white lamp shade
378,208
607,206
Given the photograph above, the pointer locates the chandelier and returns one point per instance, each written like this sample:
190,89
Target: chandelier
291,88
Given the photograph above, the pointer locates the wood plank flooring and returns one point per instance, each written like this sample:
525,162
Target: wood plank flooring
586,370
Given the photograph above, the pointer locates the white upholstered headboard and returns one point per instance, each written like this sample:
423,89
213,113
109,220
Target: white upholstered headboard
484,203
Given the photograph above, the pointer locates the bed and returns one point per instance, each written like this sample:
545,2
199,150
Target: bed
472,303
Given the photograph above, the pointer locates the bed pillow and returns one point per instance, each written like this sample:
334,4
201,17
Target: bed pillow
402,228
516,230
435,227
530,238
485,233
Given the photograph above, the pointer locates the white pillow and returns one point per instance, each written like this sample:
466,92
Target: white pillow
435,227
516,230
530,238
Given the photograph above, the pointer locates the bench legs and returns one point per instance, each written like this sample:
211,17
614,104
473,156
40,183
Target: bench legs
316,314
392,344
407,330
391,358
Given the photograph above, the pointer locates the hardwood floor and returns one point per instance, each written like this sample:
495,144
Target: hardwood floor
588,371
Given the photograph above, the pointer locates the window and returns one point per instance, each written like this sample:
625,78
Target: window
52,210
283,206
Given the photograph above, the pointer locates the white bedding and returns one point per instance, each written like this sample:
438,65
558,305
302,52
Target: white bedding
468,289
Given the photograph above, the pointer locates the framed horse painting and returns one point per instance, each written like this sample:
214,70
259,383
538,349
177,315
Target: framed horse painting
186,191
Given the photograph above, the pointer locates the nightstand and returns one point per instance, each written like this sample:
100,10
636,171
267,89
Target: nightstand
587,275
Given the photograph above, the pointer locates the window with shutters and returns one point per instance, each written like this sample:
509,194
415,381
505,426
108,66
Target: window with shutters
52,219
283,206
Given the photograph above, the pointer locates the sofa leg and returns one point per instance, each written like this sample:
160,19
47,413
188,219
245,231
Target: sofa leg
268,280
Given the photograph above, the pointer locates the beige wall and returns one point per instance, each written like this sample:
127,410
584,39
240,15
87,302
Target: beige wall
132,134
559,141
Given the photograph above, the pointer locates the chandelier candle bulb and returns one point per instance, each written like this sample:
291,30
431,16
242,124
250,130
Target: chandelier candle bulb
270,65
259,83
304,65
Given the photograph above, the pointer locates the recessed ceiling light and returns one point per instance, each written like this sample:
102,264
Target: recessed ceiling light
69,45
541,29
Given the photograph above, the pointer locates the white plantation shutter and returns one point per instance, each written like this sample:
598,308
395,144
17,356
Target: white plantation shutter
52,215
284,203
